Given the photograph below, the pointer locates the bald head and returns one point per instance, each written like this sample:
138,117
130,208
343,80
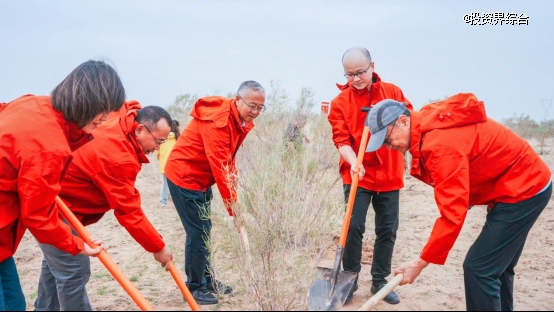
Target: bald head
356,54
358,67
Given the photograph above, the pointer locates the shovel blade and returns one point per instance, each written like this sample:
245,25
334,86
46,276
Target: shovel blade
320,297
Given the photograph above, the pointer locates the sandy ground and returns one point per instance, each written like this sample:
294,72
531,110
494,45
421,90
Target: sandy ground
438,287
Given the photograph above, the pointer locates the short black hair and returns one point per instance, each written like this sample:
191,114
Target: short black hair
151,115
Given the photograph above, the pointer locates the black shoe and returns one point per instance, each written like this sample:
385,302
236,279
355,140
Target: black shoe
204,297
391,298
351,293
216,286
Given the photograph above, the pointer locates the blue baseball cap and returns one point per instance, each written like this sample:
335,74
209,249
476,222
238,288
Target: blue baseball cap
379,118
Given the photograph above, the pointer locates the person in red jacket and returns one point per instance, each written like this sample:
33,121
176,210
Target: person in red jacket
381,173
469,159
37,135
204,155
100,178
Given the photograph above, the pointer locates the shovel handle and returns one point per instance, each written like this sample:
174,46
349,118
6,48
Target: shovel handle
354,186
183,287
104,258
382,293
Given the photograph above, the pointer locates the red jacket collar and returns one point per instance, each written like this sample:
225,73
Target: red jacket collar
128,123
75,136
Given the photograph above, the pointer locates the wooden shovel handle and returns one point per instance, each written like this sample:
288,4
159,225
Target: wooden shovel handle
104,258
382,293
353,187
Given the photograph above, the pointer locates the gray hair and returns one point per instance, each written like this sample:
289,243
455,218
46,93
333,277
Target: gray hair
362,50
249,86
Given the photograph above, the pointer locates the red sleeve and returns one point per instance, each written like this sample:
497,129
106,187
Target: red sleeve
39,184
449,169
341,134
117,182
217,142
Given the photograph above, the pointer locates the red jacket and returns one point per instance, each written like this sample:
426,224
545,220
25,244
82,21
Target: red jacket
470,160
384,167
102,177
205,152
35,148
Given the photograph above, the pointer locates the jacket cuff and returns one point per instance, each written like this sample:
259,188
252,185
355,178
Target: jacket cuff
79,246
425,256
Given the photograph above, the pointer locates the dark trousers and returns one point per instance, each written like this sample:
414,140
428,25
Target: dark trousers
11,294
63,280
386,206
193,208
490,262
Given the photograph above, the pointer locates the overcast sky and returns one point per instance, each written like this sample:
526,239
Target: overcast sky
165,48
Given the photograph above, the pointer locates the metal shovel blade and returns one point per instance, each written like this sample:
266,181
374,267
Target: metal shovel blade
322,296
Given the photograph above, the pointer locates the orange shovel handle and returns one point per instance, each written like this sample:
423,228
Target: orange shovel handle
183,287
352,196
104,258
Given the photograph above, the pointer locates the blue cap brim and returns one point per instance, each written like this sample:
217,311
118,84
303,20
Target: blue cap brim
376,140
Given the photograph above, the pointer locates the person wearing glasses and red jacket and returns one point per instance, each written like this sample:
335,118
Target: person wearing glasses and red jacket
381,173
469,159
101,178
37,136
204,155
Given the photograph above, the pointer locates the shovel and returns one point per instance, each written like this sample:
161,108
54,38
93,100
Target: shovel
330,287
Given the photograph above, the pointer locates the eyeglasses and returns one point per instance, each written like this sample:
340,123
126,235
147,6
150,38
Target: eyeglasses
253,107
352,76
388,137
157,142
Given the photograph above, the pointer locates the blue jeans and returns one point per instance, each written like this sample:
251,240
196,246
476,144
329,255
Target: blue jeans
11,294
164,193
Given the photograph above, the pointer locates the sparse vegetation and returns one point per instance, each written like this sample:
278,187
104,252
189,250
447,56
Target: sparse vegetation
285,202
537,132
